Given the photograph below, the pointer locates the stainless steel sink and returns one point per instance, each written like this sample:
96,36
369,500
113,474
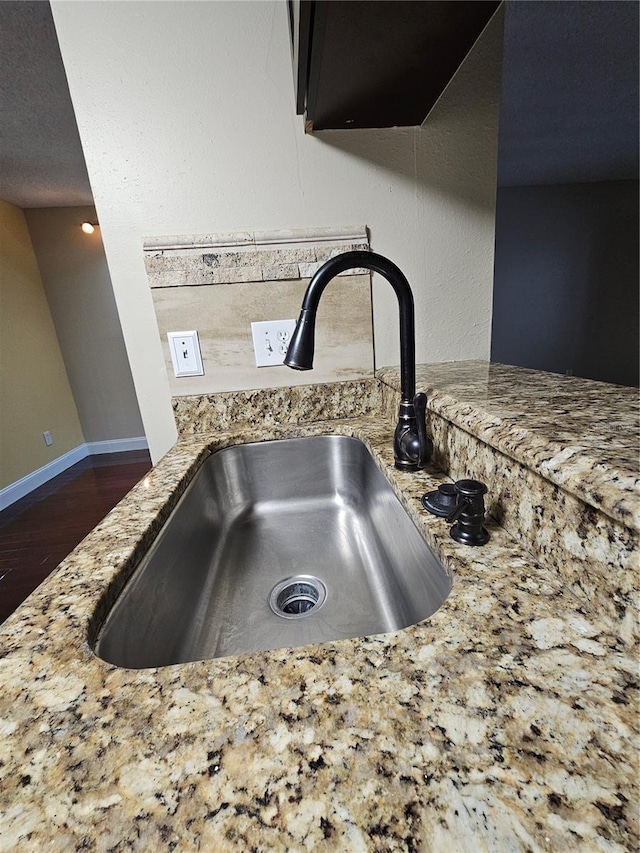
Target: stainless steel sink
275,544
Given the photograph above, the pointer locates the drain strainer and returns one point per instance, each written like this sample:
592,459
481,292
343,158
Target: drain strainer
293,598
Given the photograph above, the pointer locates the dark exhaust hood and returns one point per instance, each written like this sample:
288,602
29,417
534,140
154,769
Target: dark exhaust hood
379,63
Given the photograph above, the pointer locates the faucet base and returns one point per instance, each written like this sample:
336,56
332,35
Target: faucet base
406,466
412,447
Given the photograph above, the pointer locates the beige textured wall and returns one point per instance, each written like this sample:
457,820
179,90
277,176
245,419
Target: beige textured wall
78,286
187,119
34,390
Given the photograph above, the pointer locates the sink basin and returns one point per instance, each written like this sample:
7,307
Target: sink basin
274,544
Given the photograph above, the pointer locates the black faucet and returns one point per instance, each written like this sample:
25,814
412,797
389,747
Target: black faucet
412,447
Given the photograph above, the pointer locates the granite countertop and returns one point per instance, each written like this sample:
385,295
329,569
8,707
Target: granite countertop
582,435
505,721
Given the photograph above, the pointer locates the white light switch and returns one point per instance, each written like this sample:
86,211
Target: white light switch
185,353
271,341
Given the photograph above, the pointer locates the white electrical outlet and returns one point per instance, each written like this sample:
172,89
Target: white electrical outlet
185,353
48,439
271,341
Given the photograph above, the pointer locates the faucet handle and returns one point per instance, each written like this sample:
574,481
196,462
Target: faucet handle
441,501
425,445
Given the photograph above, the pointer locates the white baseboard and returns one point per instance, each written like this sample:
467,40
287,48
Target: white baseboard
116,445
14,491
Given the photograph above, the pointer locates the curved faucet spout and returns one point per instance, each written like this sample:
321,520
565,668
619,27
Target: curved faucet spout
412,447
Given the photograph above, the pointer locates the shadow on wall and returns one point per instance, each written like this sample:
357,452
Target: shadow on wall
609,340
447,155
566,280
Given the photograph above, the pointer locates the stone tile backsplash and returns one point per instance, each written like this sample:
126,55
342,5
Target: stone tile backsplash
218,284
265,256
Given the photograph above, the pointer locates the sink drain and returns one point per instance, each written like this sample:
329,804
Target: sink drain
293,598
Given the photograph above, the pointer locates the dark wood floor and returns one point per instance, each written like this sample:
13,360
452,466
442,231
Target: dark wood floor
37,532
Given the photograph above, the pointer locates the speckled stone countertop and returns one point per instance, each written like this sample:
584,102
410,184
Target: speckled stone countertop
507,721
582,435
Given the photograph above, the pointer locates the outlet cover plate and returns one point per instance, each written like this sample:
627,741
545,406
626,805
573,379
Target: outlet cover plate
185,353
271,340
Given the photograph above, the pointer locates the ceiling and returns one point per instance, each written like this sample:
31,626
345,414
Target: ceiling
41,160
568,114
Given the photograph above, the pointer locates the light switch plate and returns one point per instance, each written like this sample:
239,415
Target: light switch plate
271,341
185,353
